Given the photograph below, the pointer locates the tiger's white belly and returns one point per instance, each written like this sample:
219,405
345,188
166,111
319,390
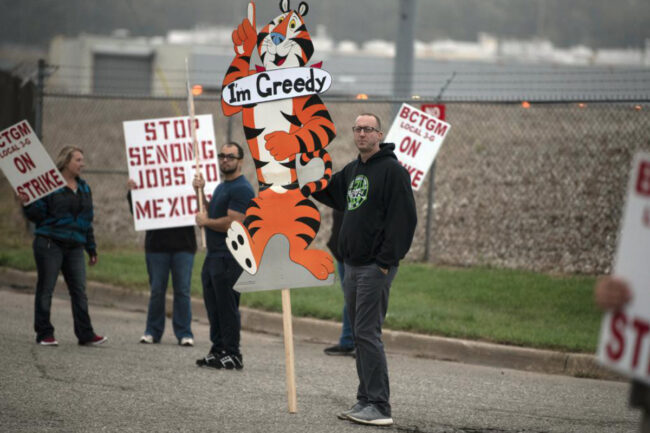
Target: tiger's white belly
268,116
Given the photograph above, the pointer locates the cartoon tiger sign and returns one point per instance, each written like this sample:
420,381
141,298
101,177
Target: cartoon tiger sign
287,128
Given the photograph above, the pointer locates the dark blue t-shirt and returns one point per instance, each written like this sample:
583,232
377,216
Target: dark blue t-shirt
232,194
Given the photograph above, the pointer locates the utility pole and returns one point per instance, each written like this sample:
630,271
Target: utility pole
404,52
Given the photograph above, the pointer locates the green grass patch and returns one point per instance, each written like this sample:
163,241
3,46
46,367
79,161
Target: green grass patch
503,306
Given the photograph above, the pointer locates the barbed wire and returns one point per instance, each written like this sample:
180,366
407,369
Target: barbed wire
630,84
626,100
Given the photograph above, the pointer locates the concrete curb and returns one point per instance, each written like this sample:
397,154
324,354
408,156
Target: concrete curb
323,331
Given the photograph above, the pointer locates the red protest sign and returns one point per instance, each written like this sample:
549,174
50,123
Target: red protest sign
161,161
436,110
26,164
417,136
625,335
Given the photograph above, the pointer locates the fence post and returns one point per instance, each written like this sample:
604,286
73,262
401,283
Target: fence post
38,109
430,202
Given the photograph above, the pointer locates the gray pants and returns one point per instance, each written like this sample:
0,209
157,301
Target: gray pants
366,290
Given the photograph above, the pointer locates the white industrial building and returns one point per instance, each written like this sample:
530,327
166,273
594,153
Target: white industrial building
137,66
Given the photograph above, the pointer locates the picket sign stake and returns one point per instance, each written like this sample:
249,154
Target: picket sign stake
288,351
195,144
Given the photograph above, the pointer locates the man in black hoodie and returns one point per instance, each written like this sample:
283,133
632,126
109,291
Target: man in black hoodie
379,217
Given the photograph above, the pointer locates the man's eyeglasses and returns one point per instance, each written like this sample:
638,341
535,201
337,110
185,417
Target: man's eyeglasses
366,129
227,156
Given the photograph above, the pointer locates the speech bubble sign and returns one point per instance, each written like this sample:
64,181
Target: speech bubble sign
275,85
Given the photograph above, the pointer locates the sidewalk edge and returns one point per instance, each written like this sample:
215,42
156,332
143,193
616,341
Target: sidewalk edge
323,331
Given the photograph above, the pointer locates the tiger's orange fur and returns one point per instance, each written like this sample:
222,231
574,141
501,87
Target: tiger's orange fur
276,133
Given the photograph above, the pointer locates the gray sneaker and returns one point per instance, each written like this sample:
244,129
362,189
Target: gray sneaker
356,408
370,415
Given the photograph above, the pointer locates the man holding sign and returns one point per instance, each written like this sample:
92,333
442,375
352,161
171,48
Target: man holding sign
379,217
612,294
625,333
220,270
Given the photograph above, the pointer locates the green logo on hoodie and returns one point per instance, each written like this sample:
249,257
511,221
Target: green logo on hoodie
357,192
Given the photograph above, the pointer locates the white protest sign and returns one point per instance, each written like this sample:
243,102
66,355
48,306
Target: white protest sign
26,164
417,136
625,335
161,161
276,84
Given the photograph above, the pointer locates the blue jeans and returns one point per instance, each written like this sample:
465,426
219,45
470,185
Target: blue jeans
158,266
346,339
51,258
219,275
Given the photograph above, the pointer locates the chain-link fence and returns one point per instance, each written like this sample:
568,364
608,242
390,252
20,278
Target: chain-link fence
535,188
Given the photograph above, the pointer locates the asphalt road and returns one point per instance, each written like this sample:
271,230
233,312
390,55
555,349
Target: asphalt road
124,386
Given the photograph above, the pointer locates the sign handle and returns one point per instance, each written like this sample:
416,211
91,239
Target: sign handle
288,351
195,144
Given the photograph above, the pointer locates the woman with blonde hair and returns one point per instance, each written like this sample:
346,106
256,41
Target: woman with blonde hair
64,229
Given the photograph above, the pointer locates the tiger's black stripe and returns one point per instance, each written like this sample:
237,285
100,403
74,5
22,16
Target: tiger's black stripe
308,239
259,164
301,62
291,164
251,219
330,134
306,45
232,69
313,100
306,202
260,38
312,223
292,118
252,132
317,143
303,145
323,113
291,186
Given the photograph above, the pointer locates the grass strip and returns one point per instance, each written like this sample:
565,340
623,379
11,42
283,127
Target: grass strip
498,305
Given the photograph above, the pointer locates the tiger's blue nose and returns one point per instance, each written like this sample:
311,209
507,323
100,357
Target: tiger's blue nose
277,38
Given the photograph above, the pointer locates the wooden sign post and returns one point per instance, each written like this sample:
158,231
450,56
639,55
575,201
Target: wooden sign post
288,351
195,144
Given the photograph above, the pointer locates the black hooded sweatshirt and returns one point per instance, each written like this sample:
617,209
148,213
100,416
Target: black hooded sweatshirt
379,215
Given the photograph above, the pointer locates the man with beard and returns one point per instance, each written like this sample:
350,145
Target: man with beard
220,270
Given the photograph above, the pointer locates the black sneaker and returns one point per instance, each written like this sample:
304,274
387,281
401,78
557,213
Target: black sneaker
209,361
339,350
222,360
232,361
